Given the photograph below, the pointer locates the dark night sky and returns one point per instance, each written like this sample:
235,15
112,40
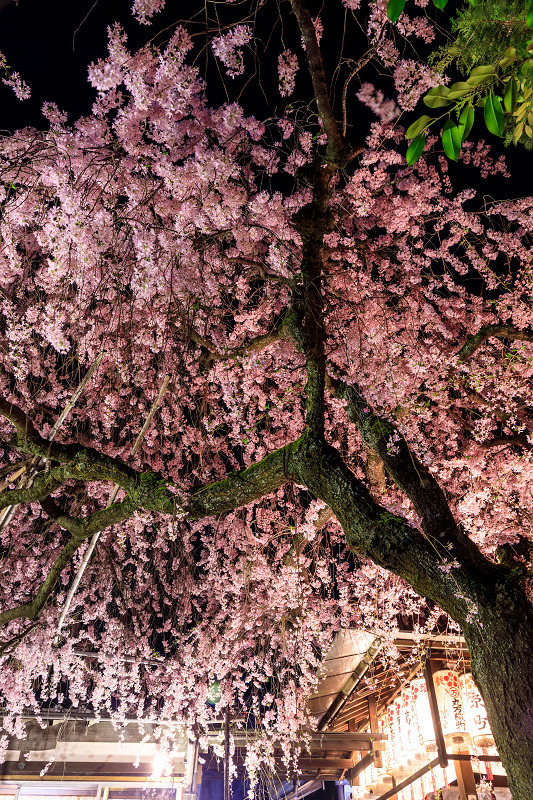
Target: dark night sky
37,39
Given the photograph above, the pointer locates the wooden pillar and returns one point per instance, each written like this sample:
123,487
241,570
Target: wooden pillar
374,728
466,783
354,781
435,716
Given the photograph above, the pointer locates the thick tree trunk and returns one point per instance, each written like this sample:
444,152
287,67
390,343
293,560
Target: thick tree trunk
501,647
491,602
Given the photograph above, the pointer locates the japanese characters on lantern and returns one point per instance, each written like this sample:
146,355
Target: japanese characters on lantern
450,703
475,712
410,742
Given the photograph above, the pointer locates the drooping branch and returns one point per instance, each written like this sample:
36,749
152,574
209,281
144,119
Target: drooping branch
488,331
80,528
11,644
33,609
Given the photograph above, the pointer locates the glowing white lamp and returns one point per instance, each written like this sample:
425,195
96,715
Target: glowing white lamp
475,712
422,713
450,703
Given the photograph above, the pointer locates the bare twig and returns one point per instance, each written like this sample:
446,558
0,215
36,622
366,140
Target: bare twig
357,65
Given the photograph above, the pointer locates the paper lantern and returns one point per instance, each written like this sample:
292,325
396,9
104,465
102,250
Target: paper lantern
386,750
450,703
400,765
393,742
408,724
475,712
417,790
383,785
422,714
370,778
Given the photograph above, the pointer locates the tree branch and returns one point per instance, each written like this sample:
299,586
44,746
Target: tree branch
33,609
335,150
412,478
252,346
264,274
81,529
355,67
241,488
508,441
29,440
497,331
10,645
17,465
149,493
387,539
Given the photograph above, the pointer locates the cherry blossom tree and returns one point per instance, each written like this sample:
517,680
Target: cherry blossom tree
346,431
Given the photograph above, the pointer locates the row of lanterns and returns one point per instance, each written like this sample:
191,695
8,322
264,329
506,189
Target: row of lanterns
410,743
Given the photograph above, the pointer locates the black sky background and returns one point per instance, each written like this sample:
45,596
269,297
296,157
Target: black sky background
51,43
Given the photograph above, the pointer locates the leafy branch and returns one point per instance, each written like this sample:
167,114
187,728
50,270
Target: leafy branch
506,98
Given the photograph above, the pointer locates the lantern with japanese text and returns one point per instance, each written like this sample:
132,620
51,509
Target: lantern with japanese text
393,743
386,749
400,766
475,712
408,722
450,703
422,714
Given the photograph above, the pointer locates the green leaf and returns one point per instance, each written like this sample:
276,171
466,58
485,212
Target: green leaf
451,139
509,57
494,114
482,74
437,97
529,17
439,3
214,694
466,120
526,67
510,96
458,90
415,149
394,9
417,127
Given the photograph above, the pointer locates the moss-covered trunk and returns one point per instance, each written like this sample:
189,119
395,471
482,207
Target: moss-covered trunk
501,647
490,601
